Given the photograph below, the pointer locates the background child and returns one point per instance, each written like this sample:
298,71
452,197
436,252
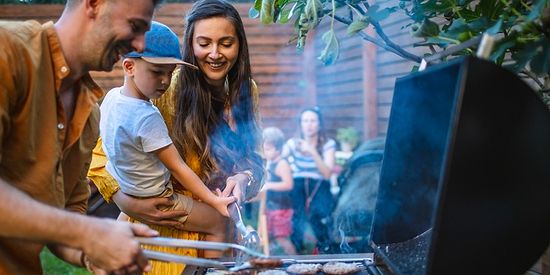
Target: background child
278,184
140,153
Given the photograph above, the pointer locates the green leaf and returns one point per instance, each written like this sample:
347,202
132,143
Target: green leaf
500,49
253,13
293,9
491,8
278,6
311,11
284,16
495,28
540,64
331,51
281,3
458,30
426,29
480,25
258,5
382,14
536,10
266,12
358,25
524,56
469,15
437,6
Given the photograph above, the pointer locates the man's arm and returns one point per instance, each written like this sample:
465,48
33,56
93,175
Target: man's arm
109,244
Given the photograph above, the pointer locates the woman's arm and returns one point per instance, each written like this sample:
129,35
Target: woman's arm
144,210
329,159
170,157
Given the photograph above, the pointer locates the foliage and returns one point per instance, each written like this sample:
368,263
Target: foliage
522,27
348,135
53,265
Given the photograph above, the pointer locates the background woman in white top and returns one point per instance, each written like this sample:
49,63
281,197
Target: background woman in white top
312,158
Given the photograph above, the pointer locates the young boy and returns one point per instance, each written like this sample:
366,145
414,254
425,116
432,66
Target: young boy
141,155
278,184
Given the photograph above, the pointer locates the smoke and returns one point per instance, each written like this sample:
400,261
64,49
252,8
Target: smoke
344,246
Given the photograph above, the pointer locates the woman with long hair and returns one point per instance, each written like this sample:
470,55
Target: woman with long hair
212,116
311,155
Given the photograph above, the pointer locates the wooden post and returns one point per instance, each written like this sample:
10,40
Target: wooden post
370,99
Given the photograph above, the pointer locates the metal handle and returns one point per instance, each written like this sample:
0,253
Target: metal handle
168,257
237,218
161,241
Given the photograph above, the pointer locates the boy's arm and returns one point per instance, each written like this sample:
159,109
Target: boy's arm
170,157
287,183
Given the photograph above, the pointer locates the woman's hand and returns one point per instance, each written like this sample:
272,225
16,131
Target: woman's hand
236,185
221,203
148,210
306,148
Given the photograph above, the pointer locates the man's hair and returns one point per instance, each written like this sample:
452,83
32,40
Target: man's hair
73,3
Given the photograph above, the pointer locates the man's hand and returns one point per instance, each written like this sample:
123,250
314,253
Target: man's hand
111,245
148,210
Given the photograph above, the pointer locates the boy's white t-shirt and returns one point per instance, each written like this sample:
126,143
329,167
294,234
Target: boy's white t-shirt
131,129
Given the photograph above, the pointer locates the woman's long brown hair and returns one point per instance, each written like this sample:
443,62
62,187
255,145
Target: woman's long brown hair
199,126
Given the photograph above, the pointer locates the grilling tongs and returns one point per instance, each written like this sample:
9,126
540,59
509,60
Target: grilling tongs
168,257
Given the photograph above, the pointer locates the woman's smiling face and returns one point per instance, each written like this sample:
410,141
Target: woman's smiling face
216,48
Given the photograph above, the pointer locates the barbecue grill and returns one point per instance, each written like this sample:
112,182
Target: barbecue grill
464,183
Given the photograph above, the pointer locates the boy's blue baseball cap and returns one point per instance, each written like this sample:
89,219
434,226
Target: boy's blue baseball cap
161,46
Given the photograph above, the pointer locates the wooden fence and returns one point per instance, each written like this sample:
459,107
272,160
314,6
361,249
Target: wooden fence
356,91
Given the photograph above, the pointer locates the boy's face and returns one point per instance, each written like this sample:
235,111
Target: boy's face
152,80
270,151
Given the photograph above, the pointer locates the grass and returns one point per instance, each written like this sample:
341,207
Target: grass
51,265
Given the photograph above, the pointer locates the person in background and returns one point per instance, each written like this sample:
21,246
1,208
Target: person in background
211,116
140,152
49,121
278,202
312,158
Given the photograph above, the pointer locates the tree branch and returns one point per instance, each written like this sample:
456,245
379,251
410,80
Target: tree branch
534,77
387,40
385,44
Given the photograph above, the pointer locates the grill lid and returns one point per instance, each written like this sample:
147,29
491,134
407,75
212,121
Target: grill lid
464,180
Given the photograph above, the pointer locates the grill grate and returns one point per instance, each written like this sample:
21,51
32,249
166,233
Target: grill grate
361,260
